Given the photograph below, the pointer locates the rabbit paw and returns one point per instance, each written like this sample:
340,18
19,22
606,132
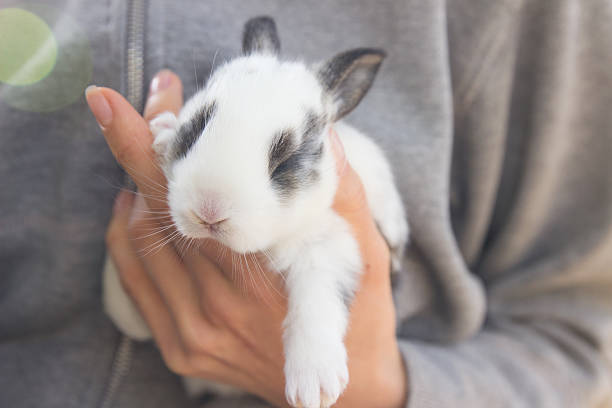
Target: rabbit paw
316,379
163,127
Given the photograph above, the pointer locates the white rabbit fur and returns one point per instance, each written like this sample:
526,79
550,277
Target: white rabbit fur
250,102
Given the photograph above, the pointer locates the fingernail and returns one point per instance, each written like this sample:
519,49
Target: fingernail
123,201
162,80
99,105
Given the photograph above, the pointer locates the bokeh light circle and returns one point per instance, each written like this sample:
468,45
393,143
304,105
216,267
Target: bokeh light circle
28,49
55,71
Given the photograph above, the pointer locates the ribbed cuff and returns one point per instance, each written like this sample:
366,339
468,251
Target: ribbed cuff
426,385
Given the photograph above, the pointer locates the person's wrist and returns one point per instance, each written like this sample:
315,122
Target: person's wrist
381,382
392,380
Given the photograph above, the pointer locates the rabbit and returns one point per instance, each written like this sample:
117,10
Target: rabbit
249,164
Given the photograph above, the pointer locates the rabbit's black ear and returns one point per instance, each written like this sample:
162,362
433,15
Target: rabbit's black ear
348,76
260,36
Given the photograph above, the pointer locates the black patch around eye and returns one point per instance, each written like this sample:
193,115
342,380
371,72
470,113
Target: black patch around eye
298,168
190,132
280,149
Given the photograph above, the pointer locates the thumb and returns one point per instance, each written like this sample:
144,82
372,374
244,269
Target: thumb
350,200
128,134
351,203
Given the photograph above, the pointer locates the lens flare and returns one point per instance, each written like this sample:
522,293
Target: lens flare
45,58
28,49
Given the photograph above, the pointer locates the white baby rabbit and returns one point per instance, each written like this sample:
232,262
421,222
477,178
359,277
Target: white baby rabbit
249,163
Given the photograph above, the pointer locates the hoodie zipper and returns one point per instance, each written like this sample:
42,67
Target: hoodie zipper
135,52
121,365
135,84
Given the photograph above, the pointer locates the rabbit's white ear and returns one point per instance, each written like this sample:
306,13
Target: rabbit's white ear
163,128
260,36
348,76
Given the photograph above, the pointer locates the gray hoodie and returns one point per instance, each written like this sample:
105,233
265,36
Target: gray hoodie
496,116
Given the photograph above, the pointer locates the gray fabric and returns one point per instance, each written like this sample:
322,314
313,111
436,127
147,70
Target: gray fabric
496,118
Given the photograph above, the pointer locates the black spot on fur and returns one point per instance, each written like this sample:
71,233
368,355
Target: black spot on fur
191,131
260,36
295,166
347,296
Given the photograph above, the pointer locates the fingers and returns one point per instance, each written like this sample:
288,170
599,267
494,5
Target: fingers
238,275
137,282
169,274
162,291
128,135
350,196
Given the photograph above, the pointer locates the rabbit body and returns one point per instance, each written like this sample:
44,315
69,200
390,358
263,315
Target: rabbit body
249,163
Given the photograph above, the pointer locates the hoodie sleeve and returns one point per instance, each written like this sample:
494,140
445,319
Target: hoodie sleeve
520,255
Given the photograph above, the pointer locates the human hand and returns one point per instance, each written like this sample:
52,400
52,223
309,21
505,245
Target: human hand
203,323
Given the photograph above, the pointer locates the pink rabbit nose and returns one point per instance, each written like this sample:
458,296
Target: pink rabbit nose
211,222
212,211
